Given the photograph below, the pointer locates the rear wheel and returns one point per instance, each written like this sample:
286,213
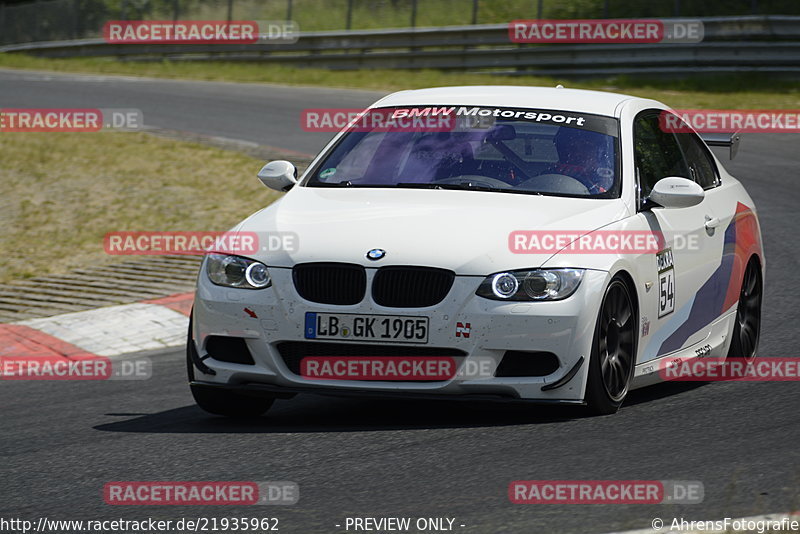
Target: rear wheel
747,328
613,350
220,401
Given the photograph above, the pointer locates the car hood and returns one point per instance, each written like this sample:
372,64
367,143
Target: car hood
464,231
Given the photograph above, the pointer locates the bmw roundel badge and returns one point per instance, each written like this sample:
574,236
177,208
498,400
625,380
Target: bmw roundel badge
375,254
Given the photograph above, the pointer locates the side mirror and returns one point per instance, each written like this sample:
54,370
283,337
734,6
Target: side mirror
676,192
279,175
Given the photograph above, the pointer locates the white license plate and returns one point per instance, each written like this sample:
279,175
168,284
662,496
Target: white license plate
387,328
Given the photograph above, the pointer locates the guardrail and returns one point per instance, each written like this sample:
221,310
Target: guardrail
731,44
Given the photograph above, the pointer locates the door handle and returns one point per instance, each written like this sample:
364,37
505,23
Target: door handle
711,222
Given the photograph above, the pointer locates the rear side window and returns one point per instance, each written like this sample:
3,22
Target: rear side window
657,153
701,165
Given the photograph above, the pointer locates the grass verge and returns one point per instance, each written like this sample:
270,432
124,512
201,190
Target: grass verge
718,92
62,192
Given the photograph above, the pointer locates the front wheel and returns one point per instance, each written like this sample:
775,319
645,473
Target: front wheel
229,403
613,350
220,401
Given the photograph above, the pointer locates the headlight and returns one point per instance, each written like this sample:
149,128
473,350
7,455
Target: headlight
538,284
235,271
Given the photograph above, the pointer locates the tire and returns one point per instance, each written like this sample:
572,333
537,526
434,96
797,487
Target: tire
747,326
613,350
220,401
229,403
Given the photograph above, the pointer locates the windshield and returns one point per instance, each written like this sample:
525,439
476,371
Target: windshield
513,150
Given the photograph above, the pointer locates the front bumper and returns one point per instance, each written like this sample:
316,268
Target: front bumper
265,318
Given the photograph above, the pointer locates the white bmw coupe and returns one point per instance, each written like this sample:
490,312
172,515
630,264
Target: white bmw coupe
509,243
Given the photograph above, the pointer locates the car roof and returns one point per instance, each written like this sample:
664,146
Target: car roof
512,96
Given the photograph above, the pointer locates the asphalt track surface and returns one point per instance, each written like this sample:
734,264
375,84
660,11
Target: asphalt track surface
62,441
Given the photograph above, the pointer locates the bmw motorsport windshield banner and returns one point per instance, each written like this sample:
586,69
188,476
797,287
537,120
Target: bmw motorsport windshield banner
484,117
445,119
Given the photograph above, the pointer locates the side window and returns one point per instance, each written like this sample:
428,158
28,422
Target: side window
701,165
657,153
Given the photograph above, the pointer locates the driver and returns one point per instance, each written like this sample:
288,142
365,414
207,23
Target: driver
585,156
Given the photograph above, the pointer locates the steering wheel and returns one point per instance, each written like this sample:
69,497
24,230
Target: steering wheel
554,183
474,179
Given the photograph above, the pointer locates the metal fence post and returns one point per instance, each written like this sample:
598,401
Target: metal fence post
176,9
349,22
539,9
474,11
413,13
288,9
230,10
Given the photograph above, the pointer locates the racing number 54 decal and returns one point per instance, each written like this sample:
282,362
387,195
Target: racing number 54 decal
666,282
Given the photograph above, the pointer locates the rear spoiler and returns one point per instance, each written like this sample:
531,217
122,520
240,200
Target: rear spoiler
723,139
